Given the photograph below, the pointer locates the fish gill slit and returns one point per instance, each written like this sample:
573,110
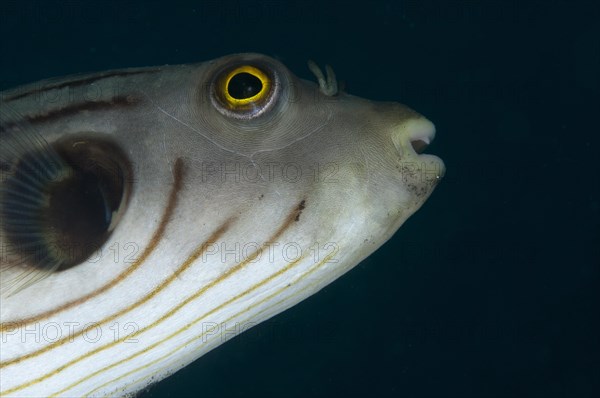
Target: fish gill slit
178,176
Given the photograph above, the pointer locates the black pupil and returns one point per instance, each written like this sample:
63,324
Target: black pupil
244,85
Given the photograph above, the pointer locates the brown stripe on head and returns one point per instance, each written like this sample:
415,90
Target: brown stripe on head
292,217
115,102
301,207
54,114
79,82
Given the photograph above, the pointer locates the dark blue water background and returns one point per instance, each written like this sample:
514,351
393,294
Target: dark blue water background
492,288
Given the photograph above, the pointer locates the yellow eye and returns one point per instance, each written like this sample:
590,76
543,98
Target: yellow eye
245,85
245,91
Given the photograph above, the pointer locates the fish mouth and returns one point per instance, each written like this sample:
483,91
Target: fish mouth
420,145
413,138
421,135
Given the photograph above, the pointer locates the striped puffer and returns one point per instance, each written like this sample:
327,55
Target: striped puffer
150,214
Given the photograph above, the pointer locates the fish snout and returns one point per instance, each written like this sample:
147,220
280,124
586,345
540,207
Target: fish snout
412,138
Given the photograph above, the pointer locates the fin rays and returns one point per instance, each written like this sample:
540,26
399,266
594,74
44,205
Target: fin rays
20,201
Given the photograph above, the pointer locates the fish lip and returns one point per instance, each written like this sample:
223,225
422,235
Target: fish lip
411,135
436,162
422,136
419,132
426,135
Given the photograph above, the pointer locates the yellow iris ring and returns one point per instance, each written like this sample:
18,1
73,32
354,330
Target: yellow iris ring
251,70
